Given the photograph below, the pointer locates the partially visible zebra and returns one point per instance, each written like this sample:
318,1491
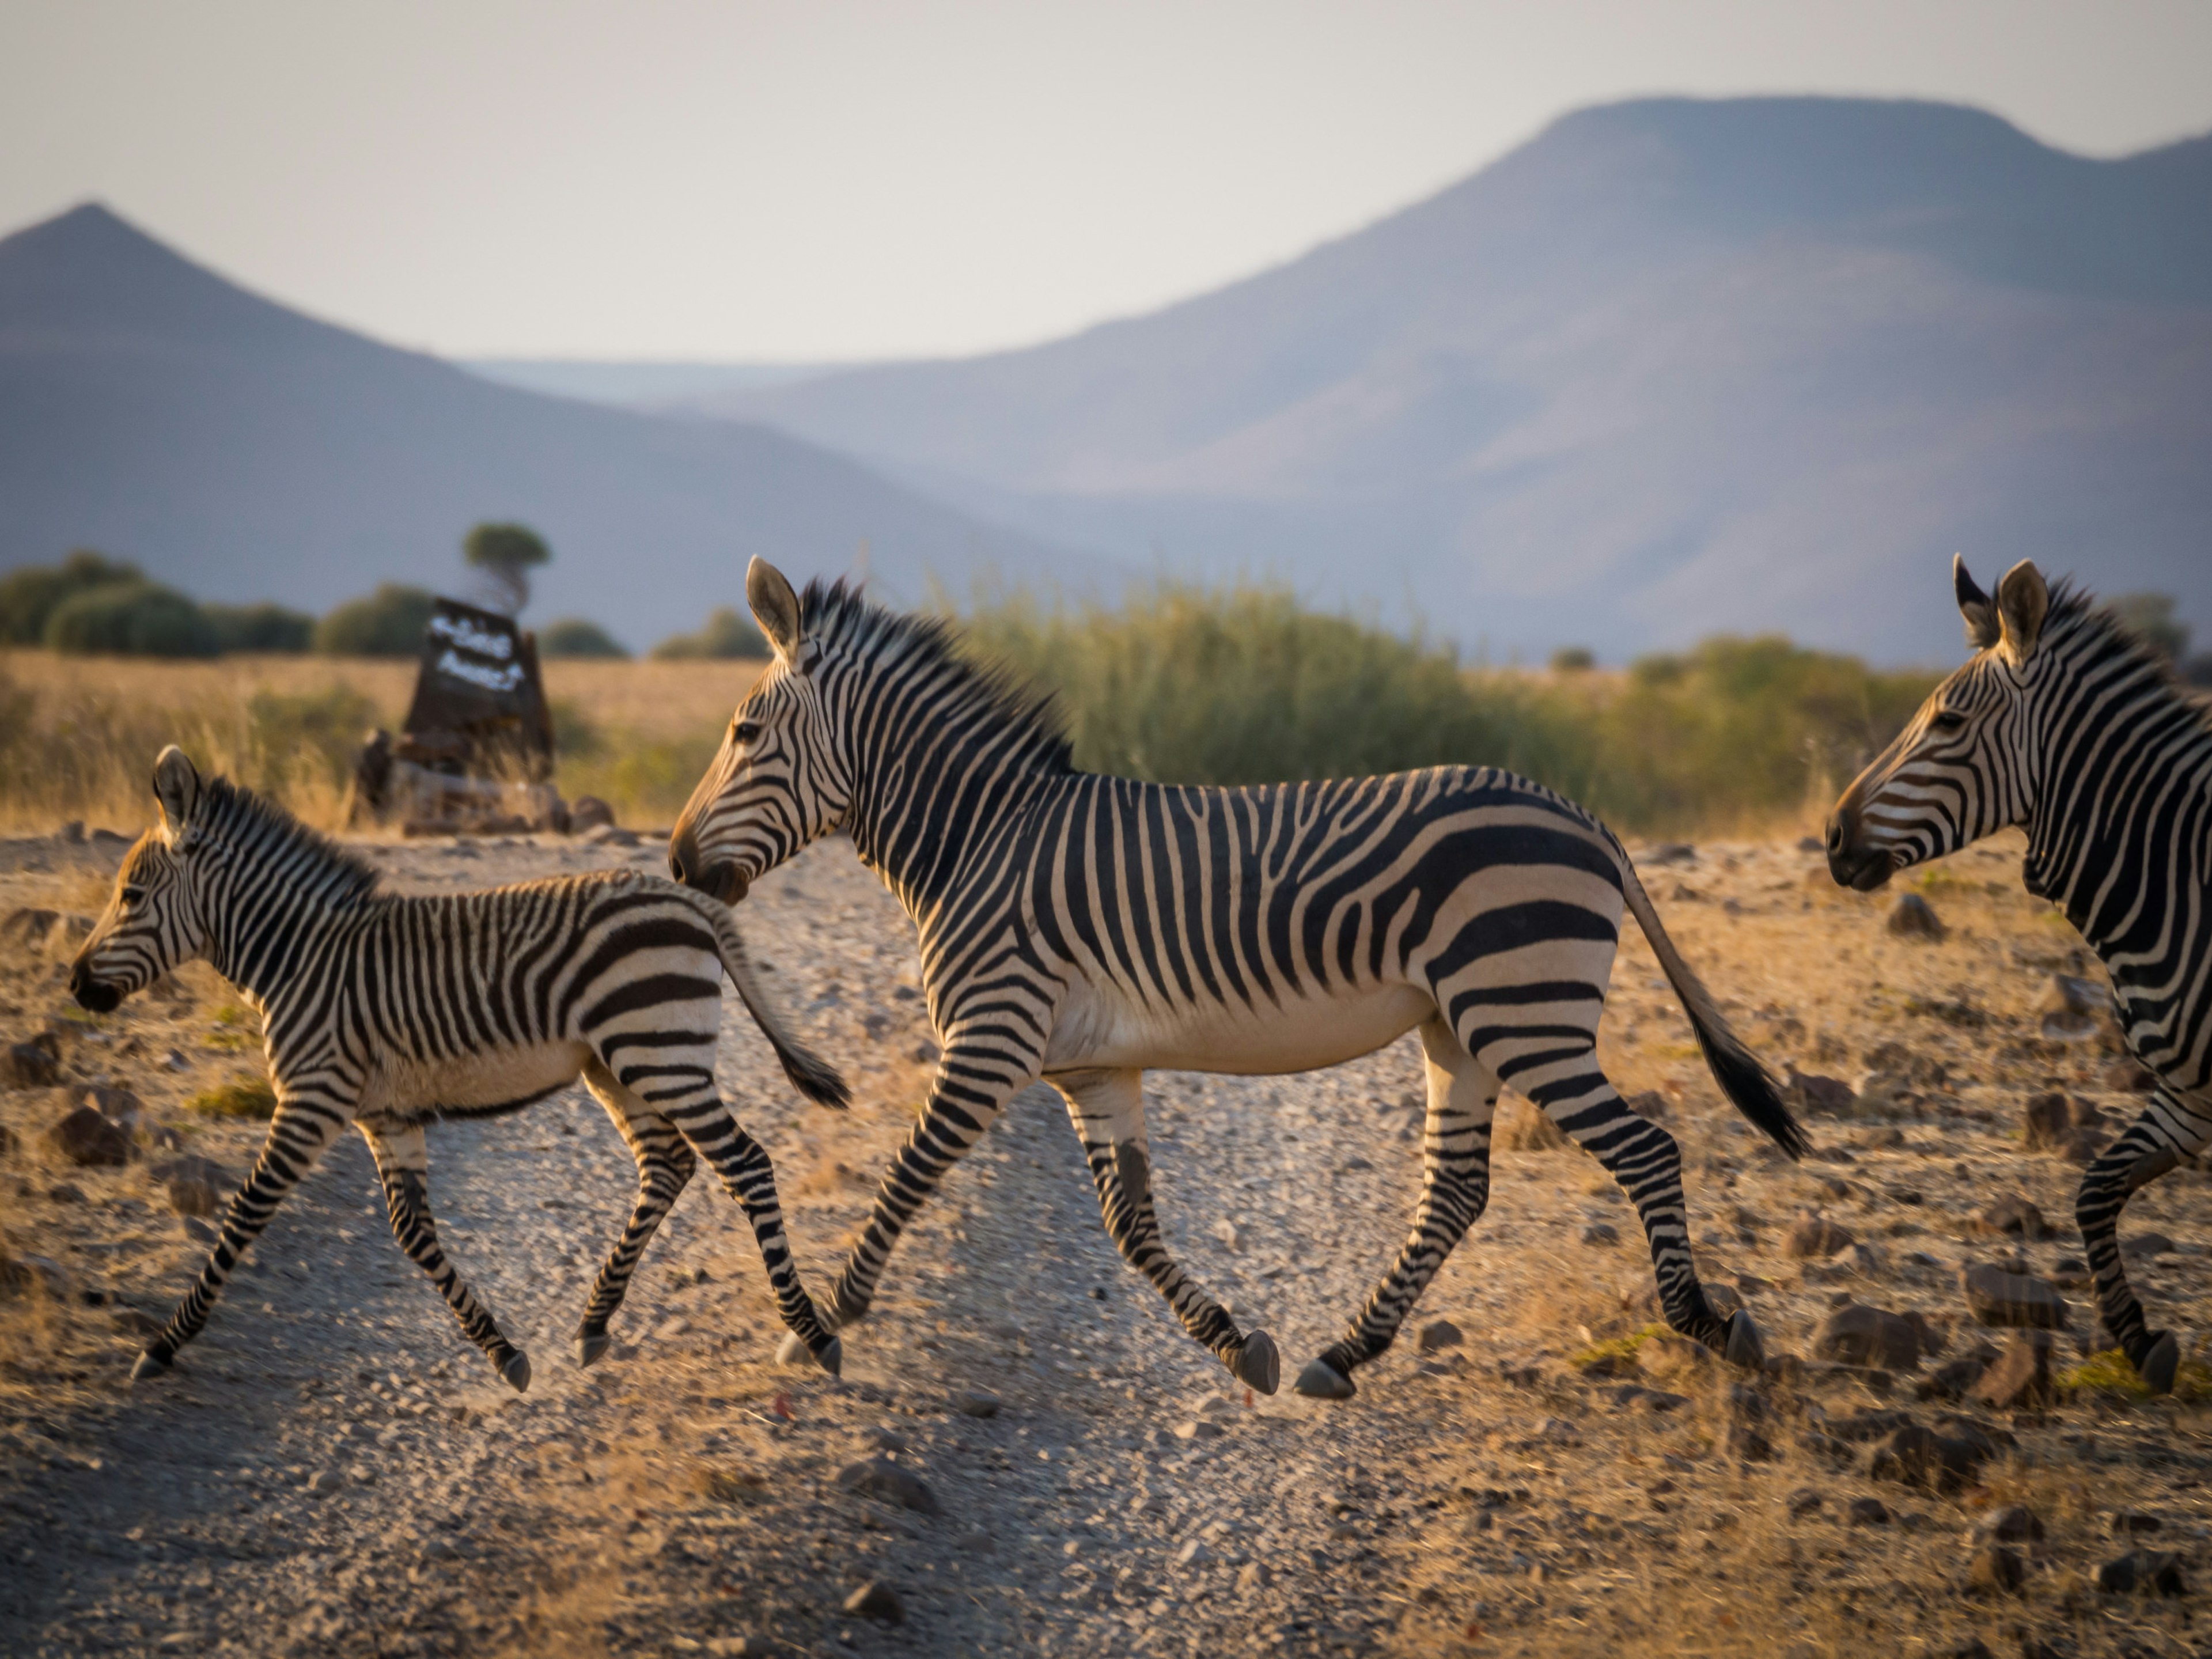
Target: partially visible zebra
1083,928
386,1013
2067,725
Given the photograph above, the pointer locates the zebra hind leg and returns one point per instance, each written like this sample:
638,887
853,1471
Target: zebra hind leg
297,1135
664,1166
402,1163
1108,1110
2153,1143
1454,1189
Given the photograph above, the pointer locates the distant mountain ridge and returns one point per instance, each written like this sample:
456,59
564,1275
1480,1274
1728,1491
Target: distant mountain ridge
1673,366
240,451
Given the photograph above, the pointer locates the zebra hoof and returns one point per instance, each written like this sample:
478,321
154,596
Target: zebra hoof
793,1351
2158,1366
592,1346
516,1371
832,1357
1257,1365
148,1364
1745,1350
1322,1380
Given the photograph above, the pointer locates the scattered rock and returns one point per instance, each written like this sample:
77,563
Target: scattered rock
2065,1124
2015,1523
1913,917
1439,1334
1669,852
1198,1429
2019,1378
1725,1300
1228,1232
119,1106
1867,1512
1816,1236
878,1600
63,1191
1250,1578
33,1065
1748,1444
588,812
2129,1523
2142,1572
87,1139
324,1482
1951,1380
1650,1104
887,1438
1996,1570
1855,1335
1814,1093
11,1144
1806,1500
2144,1244
2128,1075
1194,1553
2073,1010
2014,1216
27,928
977,1404
887,1482
1600,1232
1918,1456
2002,1298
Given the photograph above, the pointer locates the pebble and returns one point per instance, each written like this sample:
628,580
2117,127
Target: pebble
1913,917
2020,1377
1857,1335
888,1483
1868,1512
1806,1500
2002,1298
1816,1093
1600,1232
2128,1523
2015,1523
1813,1237
1996,1570
324,1482
1194,1553
2142,1572
1439,1334
887,1438
2144,1244
34,1065
2063,1124
89,1139
878,1600
977,1404
1915,1455
2015,1216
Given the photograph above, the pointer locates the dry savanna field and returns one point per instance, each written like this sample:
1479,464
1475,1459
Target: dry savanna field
1024,1455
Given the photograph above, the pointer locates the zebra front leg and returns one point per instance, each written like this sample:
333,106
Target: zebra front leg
2165,1133
402,1163
1108,1110
298,1133
1454,1189
664,1166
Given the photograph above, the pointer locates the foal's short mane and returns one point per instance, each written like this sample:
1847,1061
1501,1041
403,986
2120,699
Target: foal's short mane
235,816
964,689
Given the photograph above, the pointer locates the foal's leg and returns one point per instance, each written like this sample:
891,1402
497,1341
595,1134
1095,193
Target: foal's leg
303,1127
2161,1138
1454,1187
1108,1110
402,1163
665,1164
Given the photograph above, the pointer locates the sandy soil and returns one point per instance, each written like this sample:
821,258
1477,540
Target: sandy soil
333,1470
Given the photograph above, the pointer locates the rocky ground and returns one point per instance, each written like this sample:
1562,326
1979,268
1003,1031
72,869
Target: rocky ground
1024,1455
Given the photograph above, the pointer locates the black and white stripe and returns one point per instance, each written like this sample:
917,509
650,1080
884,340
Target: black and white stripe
2066,725
1084,928
386,1013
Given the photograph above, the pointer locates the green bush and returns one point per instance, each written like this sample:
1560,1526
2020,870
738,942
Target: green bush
728,633
29,597
388,623
131,619
574,636
264,627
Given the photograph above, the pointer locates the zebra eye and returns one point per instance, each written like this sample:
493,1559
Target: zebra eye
1949,721
745,731
134,896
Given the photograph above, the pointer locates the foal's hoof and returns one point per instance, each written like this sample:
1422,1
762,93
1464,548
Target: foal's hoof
1745,1350
148,1364
1256,1364
2158,1366
793,1351
591,1346
516,1371
1322,1380
832,1357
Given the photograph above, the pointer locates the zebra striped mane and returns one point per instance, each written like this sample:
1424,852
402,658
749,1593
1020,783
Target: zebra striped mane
2099,637
930,648
234,815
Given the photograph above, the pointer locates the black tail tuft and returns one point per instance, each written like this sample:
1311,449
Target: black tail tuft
1752,1087
814,1077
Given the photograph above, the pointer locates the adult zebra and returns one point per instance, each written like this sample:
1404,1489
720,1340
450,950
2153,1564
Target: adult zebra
2067,725
1082,928
385,1012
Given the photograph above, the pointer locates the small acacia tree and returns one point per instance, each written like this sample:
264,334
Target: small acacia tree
506,553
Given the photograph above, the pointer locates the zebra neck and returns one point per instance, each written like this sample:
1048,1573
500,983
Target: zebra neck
917,823
2127,771
256,939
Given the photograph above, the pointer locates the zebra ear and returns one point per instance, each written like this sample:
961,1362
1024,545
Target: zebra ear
1981,630
176,785
775,607
2023,601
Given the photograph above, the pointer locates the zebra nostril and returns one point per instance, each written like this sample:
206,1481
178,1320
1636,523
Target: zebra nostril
675,866
1835,835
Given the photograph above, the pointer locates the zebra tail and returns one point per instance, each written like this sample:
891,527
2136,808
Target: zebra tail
811,1075
1747,1083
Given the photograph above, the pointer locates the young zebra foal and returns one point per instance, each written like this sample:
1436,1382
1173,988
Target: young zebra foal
385,1012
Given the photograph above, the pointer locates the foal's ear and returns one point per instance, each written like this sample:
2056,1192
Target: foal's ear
1981,630
176,785
775,607
2023,601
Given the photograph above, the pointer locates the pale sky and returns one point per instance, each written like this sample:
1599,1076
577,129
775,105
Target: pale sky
838,180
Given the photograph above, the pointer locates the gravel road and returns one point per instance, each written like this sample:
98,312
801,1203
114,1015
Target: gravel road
333,1470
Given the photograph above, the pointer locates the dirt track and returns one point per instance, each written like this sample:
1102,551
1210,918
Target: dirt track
682,1496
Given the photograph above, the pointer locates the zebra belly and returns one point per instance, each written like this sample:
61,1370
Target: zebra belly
1301,1034
406,1088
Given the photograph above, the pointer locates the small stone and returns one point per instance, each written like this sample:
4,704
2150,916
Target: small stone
1231,1237
2019,1378
878,1600
1815,1238
324,1482
1972,1648
2073,1010
65,1192
1867,1512
87,1139
2142,1572
2143,1244
1439,1334
1815,1093
1917,1456
2128,1075
2013,1217
887,1438
2002,1298
1197,1429
26,929
729,1647
1748,1444
2129,1523
1600,1232
2015,1523
1806,1500
1194,1553
2054,1122
888,1483
977,1404
1996,1570
1913,917
30,1065
1859,1335
588,812
132,1323
1251,1577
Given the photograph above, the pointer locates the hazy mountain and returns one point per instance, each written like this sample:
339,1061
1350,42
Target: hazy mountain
240,451
643,385
1672,366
